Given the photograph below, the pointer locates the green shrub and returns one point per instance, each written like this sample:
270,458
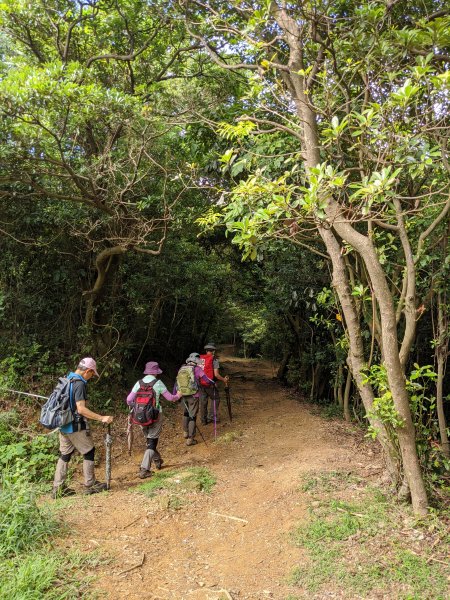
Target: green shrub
9,421
23,524
24,456
50,575
30,459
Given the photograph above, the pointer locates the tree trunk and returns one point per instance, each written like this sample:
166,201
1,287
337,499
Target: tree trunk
102,263
441,356
295,82
283,365
355,358
395,373
347,416
338,384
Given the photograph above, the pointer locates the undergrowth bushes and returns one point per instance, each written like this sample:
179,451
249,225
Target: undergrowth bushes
23,524
30,567
24,454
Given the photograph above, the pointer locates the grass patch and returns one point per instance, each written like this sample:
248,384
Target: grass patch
327,482
50,575
181,481
359,543
29,567
23,524
228,438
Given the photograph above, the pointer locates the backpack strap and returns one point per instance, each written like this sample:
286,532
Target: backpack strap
71,377
147,384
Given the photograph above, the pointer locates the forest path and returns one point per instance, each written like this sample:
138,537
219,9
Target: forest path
193,552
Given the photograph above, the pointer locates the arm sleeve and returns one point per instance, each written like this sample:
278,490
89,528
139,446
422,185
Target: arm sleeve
200,373
170,397
131,398
132,395
161,390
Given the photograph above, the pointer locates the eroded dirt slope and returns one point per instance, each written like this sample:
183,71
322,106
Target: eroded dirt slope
237,538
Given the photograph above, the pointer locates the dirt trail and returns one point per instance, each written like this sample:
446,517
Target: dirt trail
191,553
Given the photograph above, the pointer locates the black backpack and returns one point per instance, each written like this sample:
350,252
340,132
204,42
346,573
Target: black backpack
144,410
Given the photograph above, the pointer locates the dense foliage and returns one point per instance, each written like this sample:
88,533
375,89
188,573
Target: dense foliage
146,147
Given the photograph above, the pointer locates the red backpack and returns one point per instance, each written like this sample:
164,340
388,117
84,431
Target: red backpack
144,411
207,365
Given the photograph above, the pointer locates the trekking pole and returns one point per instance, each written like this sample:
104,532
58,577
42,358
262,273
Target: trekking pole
108,444
227,396
24,393
215,412
190,416
129,434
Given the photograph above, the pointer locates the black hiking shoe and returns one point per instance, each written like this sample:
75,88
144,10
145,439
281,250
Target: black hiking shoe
191,442
144,473
96,488
159,464
62,492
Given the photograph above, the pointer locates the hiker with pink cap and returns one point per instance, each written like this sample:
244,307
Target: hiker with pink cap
76,435
146,411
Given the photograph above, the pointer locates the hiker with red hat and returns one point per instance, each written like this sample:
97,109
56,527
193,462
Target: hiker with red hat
76,435
146,410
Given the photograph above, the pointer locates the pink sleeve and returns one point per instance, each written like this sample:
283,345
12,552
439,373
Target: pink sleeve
170,397
131,398
199,372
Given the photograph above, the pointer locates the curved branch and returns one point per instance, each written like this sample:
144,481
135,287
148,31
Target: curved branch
441,216
102,268
123,57
409,286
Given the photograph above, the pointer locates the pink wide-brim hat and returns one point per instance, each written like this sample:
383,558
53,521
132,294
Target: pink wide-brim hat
152,368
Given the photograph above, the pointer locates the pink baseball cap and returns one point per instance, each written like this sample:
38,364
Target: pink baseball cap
88,363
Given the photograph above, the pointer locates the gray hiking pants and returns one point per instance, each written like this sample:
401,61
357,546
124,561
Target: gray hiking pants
191,407
151,435
209,393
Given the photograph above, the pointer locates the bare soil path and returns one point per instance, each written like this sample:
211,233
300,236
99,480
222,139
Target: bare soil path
236,538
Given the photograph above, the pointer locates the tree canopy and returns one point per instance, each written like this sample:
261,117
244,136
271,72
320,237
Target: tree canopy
271,173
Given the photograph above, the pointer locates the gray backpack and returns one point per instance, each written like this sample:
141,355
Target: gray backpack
59,410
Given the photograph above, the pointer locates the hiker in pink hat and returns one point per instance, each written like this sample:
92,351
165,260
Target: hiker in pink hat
76,435
146,411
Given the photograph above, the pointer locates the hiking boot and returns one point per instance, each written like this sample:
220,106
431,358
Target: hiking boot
144,473
159,464
96,488
191,442
62,492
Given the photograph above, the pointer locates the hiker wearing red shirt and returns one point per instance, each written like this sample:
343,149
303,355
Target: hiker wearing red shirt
211,366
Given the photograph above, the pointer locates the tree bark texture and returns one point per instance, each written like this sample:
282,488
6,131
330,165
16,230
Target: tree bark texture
356,360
